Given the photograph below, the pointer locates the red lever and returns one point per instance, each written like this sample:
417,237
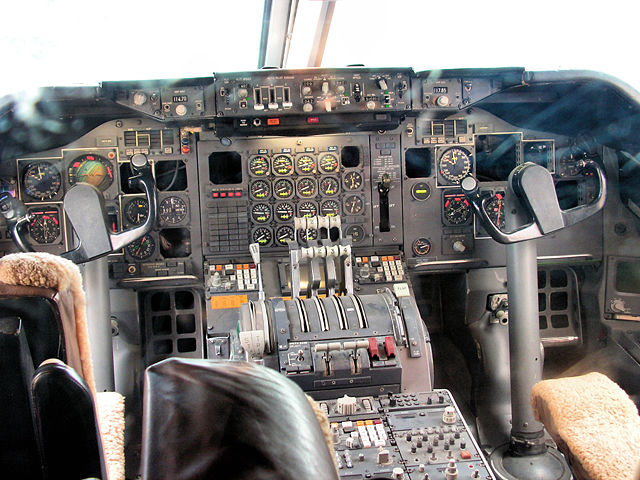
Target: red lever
390,347
373,349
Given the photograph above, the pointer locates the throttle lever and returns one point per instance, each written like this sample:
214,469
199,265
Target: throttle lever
533,185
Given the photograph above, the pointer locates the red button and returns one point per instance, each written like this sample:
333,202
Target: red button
223,194
215,194
313,119
238,194
185,149
373,349
389,347
273,121
465,455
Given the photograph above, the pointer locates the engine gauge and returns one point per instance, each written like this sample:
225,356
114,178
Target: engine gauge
136,211
282,165
142,248
307,209
328,163
172,210
284,211
283,188
284,234
456,208
306,164
454,164
262,236
92,169
353,205
44,227
329,186
306,187
330,208
261,213
352,181
421,247
356,232
260,190
259,166
308,235
41,180
495,210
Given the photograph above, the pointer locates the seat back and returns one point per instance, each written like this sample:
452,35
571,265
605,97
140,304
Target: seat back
65,423
231,420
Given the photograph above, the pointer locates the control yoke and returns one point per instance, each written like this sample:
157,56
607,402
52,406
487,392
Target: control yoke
533,184
84,207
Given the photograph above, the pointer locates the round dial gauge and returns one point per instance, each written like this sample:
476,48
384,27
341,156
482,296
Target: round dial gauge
41,180
262,236
454,164
259,166
260,190
142,248
421,191
456,209
92,169
136,211
352,181
329,186
261,213
308,235
353,205
306,187
284,211
284,234
421,247
306,164
282,165
495,210
330,208
307,209
44,227
283,188
172,210
328,163
356,232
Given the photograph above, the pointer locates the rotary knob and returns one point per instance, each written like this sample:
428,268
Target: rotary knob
347,405
307,107
443,101
243,93
306,90
139,98
449,416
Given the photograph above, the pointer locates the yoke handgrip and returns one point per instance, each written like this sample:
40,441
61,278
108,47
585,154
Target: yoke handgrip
533,185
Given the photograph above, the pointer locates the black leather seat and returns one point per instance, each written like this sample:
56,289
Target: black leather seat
227,420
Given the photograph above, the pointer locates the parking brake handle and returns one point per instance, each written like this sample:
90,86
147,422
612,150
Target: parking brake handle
533,185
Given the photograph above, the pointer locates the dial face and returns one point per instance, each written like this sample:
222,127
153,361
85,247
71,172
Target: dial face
283,188
261,213
284,211
308,235
284,234
328,163
454,164
420,191
329,208
306,187
329,186
356,232
142,248
352,181
456,208
260,190
282,165
136,211
41,180
172,210
306,164
421,247
92,169
262,236
495,210
44,228
353,205
307,209
259,166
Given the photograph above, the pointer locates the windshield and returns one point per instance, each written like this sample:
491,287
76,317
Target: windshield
72,42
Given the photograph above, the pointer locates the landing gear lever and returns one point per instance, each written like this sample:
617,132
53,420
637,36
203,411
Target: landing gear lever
530,195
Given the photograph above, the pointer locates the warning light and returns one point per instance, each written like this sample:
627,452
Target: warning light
273,121
313,119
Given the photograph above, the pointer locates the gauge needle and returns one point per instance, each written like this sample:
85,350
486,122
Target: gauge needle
499,212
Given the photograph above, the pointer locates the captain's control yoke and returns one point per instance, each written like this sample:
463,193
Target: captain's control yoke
532,211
